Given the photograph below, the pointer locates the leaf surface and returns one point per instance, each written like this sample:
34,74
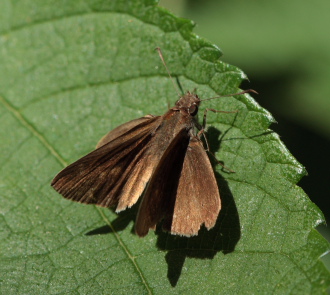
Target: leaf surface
73,70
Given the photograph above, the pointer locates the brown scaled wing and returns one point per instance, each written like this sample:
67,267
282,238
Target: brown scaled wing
116,172
183,190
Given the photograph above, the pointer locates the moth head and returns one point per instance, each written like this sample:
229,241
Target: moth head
188,103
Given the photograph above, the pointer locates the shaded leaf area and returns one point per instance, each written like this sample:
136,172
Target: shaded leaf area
72,71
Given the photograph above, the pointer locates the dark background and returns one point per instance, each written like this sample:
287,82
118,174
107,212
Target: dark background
284,48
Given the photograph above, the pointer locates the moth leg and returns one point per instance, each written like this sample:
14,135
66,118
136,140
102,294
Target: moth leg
202,131
202,128
215,111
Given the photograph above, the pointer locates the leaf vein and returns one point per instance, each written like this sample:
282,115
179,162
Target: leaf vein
32,129
129,255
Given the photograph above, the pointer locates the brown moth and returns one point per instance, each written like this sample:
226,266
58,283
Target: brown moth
159,157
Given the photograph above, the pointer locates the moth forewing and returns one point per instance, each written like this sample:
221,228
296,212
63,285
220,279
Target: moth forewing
122,129
159,198
198,199
94,178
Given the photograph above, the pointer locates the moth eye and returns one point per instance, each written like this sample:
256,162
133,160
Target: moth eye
193,109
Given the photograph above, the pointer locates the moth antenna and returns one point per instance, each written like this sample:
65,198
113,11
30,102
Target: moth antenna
227,95
168,71
179,85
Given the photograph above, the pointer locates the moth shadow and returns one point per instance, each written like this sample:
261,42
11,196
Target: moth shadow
222,237
120,223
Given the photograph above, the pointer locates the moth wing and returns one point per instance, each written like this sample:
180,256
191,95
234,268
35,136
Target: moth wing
109,173
198,199
122,129
183,190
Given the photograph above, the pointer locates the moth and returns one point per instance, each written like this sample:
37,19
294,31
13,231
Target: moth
160,158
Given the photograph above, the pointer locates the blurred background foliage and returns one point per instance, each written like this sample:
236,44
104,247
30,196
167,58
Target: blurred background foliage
284,48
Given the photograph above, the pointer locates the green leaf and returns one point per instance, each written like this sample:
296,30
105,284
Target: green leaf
73,70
